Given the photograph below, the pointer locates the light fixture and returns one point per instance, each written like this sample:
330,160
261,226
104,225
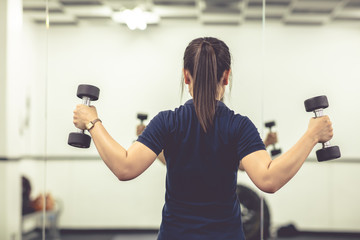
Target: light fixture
136,18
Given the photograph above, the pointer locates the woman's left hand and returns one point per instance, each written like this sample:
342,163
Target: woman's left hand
83,114
139,129
271,139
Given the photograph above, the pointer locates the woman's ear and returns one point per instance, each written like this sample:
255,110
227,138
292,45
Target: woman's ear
226,76
186,76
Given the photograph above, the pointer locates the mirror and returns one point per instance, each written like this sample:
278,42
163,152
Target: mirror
137,71
23,122
313,50
32,96
303,49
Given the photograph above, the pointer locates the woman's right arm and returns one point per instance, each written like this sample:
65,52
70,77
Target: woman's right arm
270,175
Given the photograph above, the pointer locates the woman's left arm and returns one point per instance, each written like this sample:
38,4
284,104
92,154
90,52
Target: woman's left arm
125,164
270,175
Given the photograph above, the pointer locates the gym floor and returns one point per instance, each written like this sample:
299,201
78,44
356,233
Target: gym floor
151,235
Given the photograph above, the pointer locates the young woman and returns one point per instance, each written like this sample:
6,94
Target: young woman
204,142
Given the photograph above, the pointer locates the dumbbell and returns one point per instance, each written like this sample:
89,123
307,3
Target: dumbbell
142,117
87,93
317,105
274,151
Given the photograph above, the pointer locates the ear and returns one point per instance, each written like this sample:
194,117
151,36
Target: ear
186,76
226,76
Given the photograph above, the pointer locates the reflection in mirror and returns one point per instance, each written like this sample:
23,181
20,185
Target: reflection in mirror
36,203
311,50
137,71
314,43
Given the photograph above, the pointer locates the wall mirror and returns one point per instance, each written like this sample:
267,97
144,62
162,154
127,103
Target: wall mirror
283,53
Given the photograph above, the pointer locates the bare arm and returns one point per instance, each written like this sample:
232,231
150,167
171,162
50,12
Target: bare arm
270,139
139,129
125,164
270,175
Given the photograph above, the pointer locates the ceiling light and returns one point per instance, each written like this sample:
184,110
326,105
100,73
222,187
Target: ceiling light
136,18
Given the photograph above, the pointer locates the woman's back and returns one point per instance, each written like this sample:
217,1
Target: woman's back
201,202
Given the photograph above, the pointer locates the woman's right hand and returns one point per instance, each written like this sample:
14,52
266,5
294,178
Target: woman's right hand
83,114
321,129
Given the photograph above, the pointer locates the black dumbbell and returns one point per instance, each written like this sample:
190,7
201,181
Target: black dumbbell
142,117
274,151
317,105
87,93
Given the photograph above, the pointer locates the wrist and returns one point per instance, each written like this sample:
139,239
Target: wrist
92,123
311,137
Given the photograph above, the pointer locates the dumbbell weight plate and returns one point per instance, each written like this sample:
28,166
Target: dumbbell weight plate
79,140
270,124
328,153
275,152
315,103
142,116
89,91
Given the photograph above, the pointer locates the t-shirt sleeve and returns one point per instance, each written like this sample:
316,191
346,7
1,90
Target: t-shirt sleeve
155,133
248,138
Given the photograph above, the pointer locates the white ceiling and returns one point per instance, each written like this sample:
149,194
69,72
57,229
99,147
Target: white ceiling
218,12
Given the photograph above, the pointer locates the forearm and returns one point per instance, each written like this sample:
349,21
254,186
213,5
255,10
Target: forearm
125,164
112,153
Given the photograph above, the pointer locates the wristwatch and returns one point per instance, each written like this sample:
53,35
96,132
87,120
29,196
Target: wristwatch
91,124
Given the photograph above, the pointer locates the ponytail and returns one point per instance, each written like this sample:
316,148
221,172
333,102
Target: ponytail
206,59
205,85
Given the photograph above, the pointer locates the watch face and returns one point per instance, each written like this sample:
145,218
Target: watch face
89,125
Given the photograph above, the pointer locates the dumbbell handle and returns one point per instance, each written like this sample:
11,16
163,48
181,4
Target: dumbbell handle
86,101
319,113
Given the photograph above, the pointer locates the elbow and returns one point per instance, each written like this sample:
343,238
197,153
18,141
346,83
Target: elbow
124,175
269,190
124,178
270,186
124,171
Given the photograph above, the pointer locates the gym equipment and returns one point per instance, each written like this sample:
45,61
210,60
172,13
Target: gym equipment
317,105
274,151
250,203
87,93
142,117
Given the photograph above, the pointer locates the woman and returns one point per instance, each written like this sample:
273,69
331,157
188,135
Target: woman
204,145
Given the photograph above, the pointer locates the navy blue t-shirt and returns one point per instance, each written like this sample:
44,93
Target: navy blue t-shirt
201,201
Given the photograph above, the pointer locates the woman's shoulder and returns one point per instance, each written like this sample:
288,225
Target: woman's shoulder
224,110
237,122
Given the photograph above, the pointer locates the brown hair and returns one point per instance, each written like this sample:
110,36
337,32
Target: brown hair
206,59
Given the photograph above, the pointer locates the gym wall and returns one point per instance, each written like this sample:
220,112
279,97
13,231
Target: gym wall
141,72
